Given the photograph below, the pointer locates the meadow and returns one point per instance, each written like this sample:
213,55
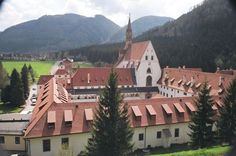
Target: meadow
212,151
40,67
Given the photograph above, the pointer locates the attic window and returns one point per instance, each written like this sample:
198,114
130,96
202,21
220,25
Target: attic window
219,103
198,85
88,114
68,118
151,110
180,81
167,109
172,80
179,107
51,120
136,111
190,106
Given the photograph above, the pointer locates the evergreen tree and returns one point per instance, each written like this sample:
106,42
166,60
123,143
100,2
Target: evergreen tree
5,94
16,89
4,80
25,80
227,120
111,133
202,122
32,73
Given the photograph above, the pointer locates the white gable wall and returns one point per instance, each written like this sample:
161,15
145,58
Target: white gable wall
154,65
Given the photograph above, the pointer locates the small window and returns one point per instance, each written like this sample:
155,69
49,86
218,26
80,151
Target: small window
158,134
146,58
65,143
166,95
177,91
185,93
171,89
177,132
2,140
151,57
140,137
17,140
149,70
68,124
46,145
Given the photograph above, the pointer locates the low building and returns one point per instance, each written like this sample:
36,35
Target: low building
12,128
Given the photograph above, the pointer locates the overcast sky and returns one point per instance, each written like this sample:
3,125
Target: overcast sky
13,12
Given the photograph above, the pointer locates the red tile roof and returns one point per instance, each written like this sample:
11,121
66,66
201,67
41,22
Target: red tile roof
44,79
137,50
190,80
80,119
99,76
61,72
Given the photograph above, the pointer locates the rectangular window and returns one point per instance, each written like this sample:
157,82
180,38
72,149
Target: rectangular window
146,58
17,140
65,143
46,145
158,134
177,132
2,140
140,137
185,93
151,57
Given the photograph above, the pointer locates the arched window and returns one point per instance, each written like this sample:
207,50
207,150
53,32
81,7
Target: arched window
149,81
149,70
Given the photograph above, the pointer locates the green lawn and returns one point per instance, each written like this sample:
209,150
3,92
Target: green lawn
41,67
213,151
6,109
84,64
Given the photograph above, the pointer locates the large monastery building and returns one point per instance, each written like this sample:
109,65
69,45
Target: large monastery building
161,101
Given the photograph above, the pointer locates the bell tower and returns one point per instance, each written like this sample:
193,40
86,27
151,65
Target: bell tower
128,39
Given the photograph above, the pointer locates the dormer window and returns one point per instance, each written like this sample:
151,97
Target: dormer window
51,120
137,112
68,118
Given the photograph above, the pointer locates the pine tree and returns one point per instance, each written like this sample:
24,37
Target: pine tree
111,133
3,77
31,72
227,120
202,120
16,89
25,80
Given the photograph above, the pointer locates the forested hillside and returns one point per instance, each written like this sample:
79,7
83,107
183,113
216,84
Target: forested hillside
205,37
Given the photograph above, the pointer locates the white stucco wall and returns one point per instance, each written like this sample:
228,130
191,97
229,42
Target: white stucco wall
150,136
172,92
77,142
154,65
10,143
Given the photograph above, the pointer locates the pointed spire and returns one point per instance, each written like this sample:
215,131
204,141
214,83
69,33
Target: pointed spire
128,40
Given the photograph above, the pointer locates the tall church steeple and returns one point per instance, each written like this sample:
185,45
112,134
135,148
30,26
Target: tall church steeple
128,39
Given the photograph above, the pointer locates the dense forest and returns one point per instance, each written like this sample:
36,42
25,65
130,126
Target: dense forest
205,37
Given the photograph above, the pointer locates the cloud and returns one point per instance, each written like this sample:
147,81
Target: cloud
16,11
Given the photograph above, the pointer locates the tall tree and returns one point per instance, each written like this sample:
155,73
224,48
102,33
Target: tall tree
25,80
111,133
3,77
16,89
227,120
31,72
202,120
4,80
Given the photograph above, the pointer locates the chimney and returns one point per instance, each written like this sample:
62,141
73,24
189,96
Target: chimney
88,77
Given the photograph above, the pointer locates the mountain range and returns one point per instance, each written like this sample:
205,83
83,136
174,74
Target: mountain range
204,37
69,31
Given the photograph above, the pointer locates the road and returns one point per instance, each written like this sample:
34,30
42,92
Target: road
28,107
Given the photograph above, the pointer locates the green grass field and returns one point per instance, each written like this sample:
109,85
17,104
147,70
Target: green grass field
41,67
213,151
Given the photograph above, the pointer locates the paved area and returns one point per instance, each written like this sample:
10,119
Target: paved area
28,107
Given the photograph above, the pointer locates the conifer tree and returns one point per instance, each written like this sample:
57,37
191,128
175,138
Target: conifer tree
25,80
202,120
111,132
31,72
3,77
227,119
16,89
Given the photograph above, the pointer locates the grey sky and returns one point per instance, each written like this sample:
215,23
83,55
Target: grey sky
16,11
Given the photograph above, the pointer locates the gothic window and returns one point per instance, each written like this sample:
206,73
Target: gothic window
149,81
149,70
